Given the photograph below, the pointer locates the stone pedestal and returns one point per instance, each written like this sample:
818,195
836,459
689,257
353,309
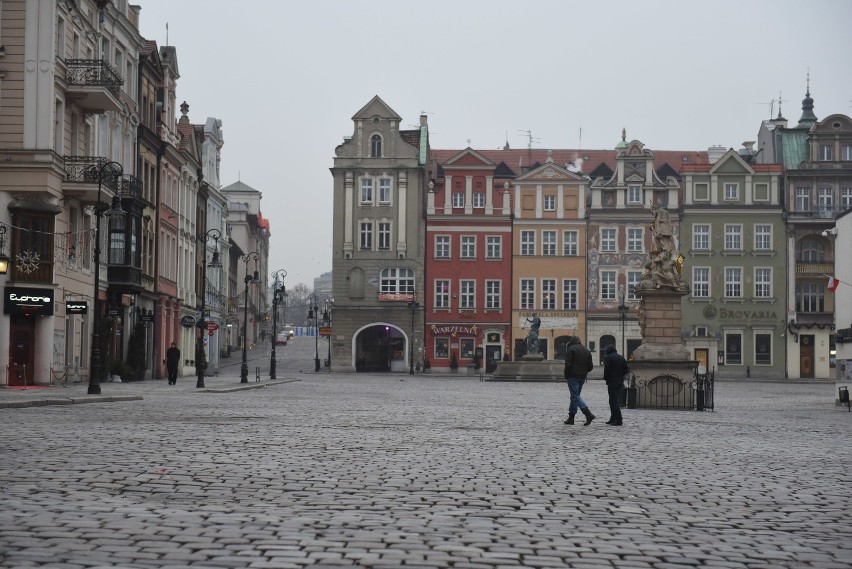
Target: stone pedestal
663,369
536,368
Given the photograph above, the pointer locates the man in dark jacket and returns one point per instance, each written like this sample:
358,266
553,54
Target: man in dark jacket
615,368
578,364
172,363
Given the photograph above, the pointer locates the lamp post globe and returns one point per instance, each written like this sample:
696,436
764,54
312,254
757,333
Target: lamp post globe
107,171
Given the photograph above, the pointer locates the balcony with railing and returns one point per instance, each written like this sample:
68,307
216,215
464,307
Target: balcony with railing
814,268
82,174
93,85
817,212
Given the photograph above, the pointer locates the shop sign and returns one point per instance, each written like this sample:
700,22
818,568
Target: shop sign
147,318
187,321
211,326
395,297
325,331
454,330
76,307
29,301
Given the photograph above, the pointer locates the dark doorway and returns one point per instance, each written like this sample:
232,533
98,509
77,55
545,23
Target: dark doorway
806,355
376,347
493,354
606,340
21,350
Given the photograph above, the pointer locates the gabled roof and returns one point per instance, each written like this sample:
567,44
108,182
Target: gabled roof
239,187
550,172
468,157
376,107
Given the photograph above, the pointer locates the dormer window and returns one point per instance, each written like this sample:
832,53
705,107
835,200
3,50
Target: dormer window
376,146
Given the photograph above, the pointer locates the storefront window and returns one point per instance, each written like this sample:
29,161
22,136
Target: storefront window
442,348
763,349
466,348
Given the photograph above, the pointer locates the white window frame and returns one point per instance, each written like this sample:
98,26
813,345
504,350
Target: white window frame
609,239
365,235
526,289
570,243
493,246
458,200
442,246
846,198
701,283
732,191
478,200
633,279
762,282
383,235
570,295
366,191
549,202
527,243
762,237
700,236
826,152
548,243
396,280
635,239
467,247
493,294
442,293
467,294
825,199
733,237
733,282
385,190
608,279
846,152
634,194
803,198
548,294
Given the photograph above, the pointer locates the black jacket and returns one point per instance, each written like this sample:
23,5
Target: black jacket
172,357
615,368
578,360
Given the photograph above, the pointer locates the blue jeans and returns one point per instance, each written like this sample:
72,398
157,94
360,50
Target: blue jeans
575,386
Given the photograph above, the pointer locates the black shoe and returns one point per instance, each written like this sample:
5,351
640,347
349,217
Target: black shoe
589,416
609,422
615,424
569,420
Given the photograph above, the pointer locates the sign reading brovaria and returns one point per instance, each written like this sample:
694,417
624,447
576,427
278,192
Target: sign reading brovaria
29,301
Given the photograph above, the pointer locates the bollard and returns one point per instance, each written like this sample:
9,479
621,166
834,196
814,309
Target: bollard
256,374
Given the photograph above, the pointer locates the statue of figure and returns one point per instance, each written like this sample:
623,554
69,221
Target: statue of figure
532,337
663,267
661,229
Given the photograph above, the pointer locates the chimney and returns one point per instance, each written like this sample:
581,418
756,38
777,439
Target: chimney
715,152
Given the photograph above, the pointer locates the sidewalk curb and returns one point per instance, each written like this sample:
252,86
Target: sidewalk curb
68,401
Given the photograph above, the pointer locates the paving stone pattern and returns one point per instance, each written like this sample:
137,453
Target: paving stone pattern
425,471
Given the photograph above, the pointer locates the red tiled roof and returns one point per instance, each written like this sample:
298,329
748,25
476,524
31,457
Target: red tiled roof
186,132
148,47
412,137
591,159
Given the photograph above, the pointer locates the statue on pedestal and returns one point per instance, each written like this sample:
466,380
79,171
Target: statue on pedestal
663,268
532,337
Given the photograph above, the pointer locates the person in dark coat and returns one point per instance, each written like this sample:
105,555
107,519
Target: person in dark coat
578,364
615,368
172,363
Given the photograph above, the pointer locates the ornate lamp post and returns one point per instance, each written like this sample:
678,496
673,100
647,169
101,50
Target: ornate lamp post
326,321
277,296
107,171
622,309
313,314
215,263
248,279
412,306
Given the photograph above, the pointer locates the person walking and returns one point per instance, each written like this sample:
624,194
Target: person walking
615,368
172,363
578,364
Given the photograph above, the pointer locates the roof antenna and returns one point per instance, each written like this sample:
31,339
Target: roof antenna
780,100
167,34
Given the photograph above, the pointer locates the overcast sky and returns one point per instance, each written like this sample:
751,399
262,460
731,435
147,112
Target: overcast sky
285,78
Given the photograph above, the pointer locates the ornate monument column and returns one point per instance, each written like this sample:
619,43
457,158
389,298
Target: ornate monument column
662,366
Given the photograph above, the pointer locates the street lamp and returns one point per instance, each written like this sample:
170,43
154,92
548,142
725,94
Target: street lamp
277,296
111,171
215,263
248,279
412,306
4,258
622,309
313,314
326,321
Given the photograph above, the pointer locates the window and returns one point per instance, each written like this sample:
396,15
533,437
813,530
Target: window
479,199
825,200
458,199
634,194
384,235
60,37
733,348
701,237
762,237
466,348
803,199
528,243
762,349
468,247
702,192
548,294
31,237
810,297
701,282
442,294
442,246
812,251
762,282
548,243
846,198
826,152
549,203
733,282
608,240
634,240
493,247
569,243
569,294
442,348
384,190
633,278
527,294
846,152
366,190
492,294
733,237
607,285
732,192
116,246
366,235
375,146
397,281
467,294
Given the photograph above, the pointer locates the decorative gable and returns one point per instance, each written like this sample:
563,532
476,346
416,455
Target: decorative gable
468,158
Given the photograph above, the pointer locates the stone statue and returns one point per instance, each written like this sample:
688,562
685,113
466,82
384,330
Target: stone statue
532,337
663,267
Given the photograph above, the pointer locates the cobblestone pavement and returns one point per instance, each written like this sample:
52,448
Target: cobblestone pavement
429,471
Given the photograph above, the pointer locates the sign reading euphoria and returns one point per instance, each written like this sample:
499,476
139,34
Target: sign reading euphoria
76,307
28,301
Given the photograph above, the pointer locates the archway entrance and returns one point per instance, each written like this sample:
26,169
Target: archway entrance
380,348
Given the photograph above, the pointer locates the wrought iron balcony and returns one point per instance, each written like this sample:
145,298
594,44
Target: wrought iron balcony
130,187
87,169
827,212
93,84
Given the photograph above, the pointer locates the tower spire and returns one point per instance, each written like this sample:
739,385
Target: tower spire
808,118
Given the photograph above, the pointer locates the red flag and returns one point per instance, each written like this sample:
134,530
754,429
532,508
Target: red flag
833,284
